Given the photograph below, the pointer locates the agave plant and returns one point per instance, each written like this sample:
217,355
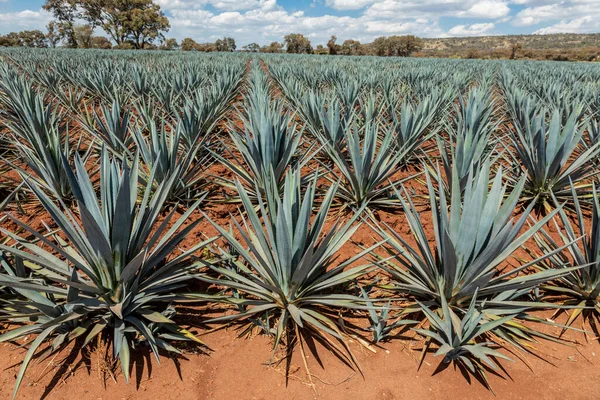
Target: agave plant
581,287
41,134
474,235
164,152
114,274
551,156
367,163
269,144
462,340
325,117
112,126
381,324
287,275
470,135
416,123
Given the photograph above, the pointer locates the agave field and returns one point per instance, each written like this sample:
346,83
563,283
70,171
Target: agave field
321,210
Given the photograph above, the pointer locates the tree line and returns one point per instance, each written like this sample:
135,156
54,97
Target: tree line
141,24
297,43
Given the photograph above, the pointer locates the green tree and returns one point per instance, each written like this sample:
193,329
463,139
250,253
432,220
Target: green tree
297,43
321,50
83,36
170,44
137,21
332,46
397,46
188,44
206,47
225,44
351,48
53,35
274,47
35,38
65,12
100,42
252,47
10,40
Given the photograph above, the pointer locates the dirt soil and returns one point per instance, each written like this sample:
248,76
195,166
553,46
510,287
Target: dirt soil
236,370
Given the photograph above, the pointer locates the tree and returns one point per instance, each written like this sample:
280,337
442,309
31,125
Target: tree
225,44
35,38
274,47
515,47
53,35
252,47
170,44
320,50
297,43
351,48
188,44
398,46
138,21
65,12
10,40
206,47
83,36
332,46
100,42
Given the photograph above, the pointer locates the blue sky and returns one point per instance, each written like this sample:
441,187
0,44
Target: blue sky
263,21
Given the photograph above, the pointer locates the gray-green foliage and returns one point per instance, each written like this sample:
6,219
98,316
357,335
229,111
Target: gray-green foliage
474,234
286,272
115,273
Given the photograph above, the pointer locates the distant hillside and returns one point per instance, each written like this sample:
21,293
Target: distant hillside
555,46
536,42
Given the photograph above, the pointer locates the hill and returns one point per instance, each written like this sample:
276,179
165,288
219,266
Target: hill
562,46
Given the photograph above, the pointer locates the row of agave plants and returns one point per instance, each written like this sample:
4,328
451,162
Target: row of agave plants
119,154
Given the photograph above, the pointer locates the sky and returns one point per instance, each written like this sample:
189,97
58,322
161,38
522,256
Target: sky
264,21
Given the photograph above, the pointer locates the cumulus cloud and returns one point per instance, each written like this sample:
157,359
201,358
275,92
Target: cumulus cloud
471,30
487,9
586,24
21,20
271,22
573,16
349,4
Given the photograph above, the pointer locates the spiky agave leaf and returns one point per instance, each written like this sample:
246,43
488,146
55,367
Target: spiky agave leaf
269,142
580,287
367,161
551,156
474,234
40,134
114,274
165,153
287,265
464,340
471,130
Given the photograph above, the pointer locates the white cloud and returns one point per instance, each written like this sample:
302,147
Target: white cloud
270,22
471,30
26,19
227,5
434,9
567,15
349,4
487,9
263,21
586,24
